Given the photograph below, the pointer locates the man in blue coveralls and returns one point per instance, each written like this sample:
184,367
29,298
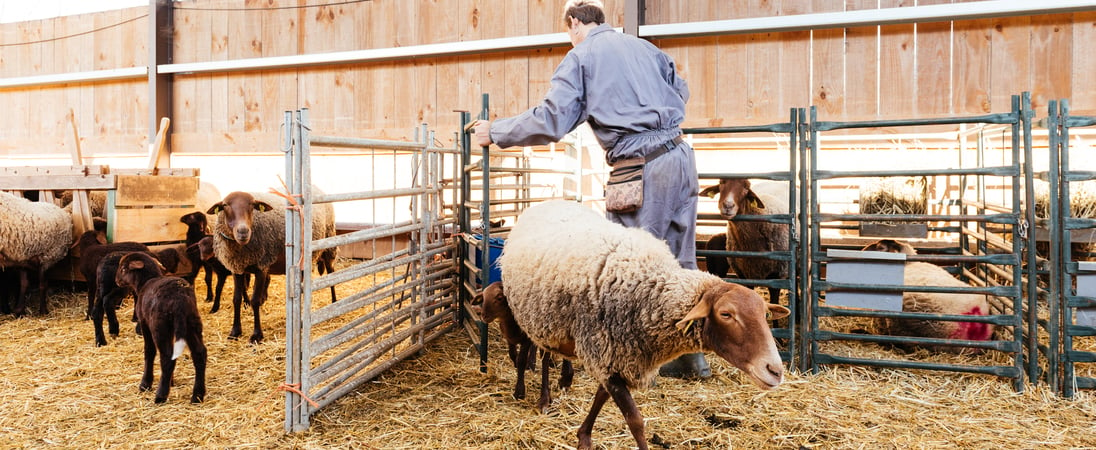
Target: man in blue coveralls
629,92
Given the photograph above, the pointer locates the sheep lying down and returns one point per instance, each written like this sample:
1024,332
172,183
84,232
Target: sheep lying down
928,274
616,299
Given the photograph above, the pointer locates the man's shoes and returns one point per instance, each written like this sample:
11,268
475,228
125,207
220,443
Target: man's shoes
690,366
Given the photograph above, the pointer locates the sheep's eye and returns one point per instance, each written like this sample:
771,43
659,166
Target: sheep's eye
726,316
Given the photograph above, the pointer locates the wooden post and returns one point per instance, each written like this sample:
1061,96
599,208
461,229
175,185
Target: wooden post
634,13
156,150
81,206
161,28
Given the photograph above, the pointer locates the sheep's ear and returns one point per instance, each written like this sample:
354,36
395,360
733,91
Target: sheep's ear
777,312
261,206
478,298
710,191
216,208
136,264
700,311
752,198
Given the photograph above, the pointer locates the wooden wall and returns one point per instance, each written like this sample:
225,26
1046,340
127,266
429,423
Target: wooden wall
894,71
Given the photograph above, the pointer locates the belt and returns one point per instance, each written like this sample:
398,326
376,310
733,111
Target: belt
663,148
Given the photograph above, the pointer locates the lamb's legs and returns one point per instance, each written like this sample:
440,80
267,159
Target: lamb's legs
209,284
524,350
150,357
220,287
566,374
199,355
545,389
43,284
167,369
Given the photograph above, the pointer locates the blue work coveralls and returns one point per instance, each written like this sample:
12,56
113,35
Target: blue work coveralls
629,92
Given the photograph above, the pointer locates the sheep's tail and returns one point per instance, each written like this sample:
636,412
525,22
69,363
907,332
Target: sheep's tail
183,326
180,344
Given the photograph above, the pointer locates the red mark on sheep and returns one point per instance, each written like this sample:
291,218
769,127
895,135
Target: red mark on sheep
973,331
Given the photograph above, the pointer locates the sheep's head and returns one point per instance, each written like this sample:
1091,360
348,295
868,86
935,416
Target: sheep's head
136,267
736,327
236,212
491,303
734,197
196,220
205,248
890,246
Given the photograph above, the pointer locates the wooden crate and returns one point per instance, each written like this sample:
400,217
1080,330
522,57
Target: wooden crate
142,205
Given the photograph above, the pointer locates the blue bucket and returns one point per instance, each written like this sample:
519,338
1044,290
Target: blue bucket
494,250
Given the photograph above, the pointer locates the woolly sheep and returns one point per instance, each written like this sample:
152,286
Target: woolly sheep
492,305
167,315
33,237
737,197
616,299
927,274
249,237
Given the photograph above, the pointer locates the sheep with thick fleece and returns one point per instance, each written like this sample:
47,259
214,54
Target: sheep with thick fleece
953,303
738,196
616,299
249,237
33,236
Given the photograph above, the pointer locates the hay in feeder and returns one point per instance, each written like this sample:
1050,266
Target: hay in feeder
1082,199
59,391
894,195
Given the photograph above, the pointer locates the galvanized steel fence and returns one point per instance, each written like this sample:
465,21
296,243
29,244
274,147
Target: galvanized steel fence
457,205
391,304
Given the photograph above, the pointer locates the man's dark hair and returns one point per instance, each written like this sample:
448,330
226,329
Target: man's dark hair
586,11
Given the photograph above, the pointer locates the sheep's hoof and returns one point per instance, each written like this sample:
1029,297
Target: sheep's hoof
160,399
256,338
216,307
197,398
99,343
234,334
145,387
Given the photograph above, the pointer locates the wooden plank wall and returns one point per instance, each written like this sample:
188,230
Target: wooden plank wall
893,71
110,117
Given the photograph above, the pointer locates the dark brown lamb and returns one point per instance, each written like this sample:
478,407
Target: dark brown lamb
167,314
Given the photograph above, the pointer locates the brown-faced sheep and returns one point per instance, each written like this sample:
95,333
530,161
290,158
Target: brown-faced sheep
927,274
249,237
33,237
616,299
736,197
167,314
492,305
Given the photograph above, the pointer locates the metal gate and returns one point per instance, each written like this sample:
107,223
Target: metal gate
1072,315
395,301
781,148
989,240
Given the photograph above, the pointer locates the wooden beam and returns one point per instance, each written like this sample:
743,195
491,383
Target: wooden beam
635,12
161,29
75,182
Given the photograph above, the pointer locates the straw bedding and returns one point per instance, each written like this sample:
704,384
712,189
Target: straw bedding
59,391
